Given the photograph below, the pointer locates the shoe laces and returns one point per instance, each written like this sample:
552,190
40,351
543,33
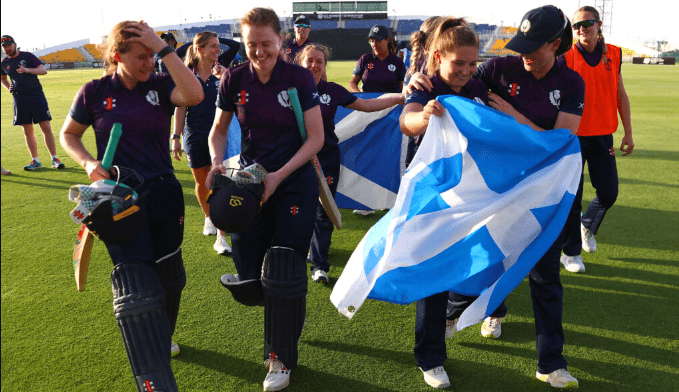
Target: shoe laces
275,365
438,370
493,322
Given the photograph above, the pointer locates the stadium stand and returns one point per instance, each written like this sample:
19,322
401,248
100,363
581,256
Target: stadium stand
92,49
408,26
365,23
324,24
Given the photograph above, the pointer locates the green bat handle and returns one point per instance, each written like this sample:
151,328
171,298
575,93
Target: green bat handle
116,131
297,108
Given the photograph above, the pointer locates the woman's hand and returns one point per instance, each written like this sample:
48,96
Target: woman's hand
419,81
95,171
271,182
215,169
498,103
176,149
146,36
218,70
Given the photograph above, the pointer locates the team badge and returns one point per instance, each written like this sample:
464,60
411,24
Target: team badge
242,97
329,180
513,89
325,99
110,103
370,66
555,98
284,99
153,98
612,150
391,67
525,26
294,210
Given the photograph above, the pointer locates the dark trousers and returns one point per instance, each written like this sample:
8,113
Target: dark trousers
547,295
323,227
599,154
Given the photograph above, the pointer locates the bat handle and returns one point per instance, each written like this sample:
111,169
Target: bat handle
297,108
116,131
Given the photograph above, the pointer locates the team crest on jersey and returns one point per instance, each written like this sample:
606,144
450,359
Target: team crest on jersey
284,99
392,67
513,89
555,98
242,97
370,66
153,98
217,83
23,63
609,65
294,210
325,99
110,103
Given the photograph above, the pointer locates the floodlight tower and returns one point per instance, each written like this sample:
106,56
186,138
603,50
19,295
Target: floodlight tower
605,8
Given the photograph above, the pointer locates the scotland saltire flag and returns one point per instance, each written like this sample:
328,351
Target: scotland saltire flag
373,151
481,202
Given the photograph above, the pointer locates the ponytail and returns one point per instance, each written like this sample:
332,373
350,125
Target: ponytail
450,34
199,41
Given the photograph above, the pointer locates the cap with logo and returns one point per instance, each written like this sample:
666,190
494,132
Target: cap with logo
538,27
302,20
379,32
7,40
234,202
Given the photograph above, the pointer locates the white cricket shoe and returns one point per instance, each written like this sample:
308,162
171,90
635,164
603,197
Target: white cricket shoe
451,326
208,227
492,327
6,172
436,377
320,276
364,212
559,379
221,246
572,263
588,241
174,349
278,376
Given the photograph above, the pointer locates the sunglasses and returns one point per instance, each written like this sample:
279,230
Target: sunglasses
585,23
302,25
6,40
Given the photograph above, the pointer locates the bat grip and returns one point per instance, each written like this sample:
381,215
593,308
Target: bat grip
297,108
116,131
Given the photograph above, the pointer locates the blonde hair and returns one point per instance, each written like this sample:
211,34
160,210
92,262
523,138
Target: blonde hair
601,39
115,43
451,33
419,42
199,41
260,16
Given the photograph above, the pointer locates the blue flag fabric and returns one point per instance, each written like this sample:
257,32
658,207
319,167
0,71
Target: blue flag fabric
480,204
373,153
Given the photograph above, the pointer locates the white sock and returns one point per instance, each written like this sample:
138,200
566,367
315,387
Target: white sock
54,157
36,159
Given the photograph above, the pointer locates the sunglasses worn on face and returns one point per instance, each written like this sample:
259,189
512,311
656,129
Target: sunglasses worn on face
302,25
585,23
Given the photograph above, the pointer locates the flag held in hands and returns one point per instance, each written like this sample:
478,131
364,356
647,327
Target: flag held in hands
482,201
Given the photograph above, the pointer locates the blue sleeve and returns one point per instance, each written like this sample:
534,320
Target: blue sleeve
79,111
227,57
358,70
181,51
307,91
345,97
573,96
224,100
418,96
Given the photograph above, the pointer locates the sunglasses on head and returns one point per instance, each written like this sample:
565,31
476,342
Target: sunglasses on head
6,39
302,25
585,23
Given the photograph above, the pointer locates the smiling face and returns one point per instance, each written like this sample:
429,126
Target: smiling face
542,60
457,66
301,33
588,36
137,63
315,62
262,46
210,52
10,50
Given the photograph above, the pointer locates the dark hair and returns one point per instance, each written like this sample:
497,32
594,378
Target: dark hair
566,37
601,39
451,33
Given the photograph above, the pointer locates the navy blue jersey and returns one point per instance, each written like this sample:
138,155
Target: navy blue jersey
24,83
229,48
144,113
332,95
475,90
199,118
561,90
380,76
270,135
291,49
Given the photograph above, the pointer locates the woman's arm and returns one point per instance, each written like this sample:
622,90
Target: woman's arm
179,121
415,117
71,140
563,119
382,102
353,84
627,145
217,143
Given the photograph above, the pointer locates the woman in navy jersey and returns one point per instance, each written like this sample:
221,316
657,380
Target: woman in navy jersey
274,247
452,58
315,58
148,274
195,122
538,90
380,70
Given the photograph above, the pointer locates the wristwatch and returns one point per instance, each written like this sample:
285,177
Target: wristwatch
175,136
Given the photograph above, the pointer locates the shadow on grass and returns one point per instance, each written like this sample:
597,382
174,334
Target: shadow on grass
229,365
662,263
654,154
406,359
640,228
313,380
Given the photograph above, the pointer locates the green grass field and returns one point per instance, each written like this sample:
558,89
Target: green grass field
620,318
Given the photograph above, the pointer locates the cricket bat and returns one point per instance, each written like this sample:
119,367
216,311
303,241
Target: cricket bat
85,239
327,201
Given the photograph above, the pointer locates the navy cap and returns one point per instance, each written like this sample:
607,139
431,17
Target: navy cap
538,27
302,19
168,35
401,45
233,205
7,40
379,32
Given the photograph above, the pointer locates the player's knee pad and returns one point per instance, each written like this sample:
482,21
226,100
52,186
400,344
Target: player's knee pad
173,279
139,307
284,284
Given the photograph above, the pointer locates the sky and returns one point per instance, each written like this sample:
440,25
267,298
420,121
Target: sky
65,21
